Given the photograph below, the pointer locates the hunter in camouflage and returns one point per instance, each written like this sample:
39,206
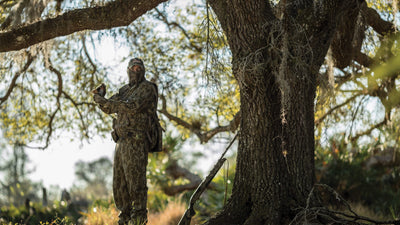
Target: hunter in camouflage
135,132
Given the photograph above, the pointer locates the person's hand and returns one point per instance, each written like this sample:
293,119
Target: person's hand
101,90
100,100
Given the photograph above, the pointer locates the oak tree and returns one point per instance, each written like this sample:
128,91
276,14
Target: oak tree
277,51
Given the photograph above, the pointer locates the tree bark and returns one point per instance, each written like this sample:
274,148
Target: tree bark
275,61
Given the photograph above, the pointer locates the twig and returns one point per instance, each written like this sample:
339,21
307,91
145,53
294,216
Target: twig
87,54
319,120
189,37
314,215
53,115
16,76
79,113
368,131
355,113
50,126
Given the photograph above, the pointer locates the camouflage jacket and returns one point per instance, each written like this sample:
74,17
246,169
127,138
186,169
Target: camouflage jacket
136,109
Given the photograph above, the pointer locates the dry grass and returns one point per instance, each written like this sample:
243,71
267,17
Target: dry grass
171,215
102,216
109,216
362,210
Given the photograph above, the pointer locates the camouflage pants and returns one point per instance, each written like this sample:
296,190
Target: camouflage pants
129,178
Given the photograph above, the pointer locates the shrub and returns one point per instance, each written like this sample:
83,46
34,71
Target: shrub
38,214
346,172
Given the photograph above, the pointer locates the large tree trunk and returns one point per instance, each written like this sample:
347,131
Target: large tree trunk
275,61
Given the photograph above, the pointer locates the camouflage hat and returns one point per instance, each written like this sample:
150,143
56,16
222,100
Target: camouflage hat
135,61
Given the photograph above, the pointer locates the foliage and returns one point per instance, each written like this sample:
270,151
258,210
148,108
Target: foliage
158,162
345,169
54,80
16,186
37,214
101,212
157,199
158,178
362,99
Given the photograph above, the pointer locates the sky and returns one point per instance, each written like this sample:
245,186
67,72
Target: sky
55,165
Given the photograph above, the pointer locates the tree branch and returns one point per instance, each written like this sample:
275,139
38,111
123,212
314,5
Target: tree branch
203,136
114,14
164,18
87,54
85,128
349,35
324,196
176,171
366,132
60,91
374,20
53,115
49,133
14,80
319,120
363,59
60,83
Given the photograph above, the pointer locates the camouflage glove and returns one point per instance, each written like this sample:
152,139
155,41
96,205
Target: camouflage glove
100,100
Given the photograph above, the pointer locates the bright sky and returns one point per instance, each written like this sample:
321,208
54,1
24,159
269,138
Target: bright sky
55,165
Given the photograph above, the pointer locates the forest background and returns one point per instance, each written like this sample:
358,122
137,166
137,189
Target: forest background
186,54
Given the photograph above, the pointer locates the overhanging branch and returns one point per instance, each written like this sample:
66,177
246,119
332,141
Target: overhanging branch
374,20
114,14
